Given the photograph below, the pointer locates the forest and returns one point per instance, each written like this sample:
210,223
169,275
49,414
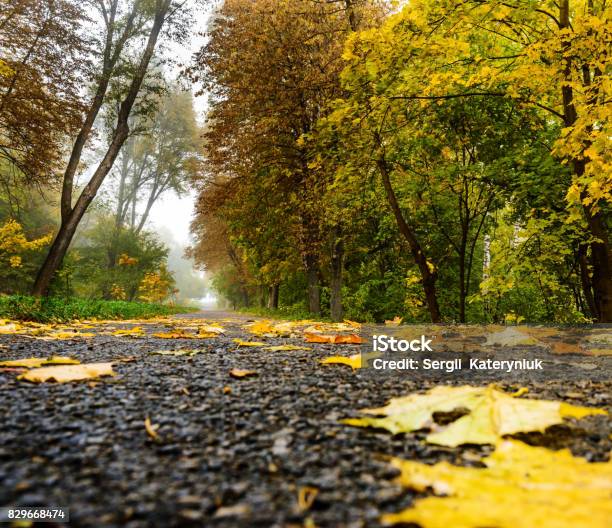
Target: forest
442,161
439,161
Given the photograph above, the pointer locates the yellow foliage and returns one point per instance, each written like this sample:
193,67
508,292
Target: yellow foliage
13,242
126,260
117,292
156,287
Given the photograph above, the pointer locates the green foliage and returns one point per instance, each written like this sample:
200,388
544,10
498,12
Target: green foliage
95,267
53,309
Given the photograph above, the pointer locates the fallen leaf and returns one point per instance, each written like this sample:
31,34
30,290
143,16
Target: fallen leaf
281,348
136,331
510,336
521,487
63,374
306,497
151,429
61,360
237,510
262,328
39,362
179,334
129,359
353,361
396,321
227,390
174,352
211,330
242,343
492,414
351,339
9,328
238,373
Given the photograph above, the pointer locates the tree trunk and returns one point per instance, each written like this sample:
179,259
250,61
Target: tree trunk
337,264
71,216
601,252
601,257
427,275
312,274
462,282
273,297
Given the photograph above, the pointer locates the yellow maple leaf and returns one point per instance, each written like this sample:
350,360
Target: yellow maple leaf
492,414
521,487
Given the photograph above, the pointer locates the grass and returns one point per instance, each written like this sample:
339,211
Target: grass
55,309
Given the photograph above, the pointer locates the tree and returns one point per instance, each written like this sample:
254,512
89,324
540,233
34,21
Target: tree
43,63
266,98
125,26
551,57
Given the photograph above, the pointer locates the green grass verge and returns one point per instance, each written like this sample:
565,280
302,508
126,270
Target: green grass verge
54,309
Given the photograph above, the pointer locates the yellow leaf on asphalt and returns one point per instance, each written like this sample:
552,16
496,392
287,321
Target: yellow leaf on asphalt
137,331
353,361
510,336
207,330
62,335
396,321
242,343
306,497
26,363
9,328
179,334
262,328
61,360
38,362
351,339
490,414
174,352
281,348
151,429
63,374
521,487
239,373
